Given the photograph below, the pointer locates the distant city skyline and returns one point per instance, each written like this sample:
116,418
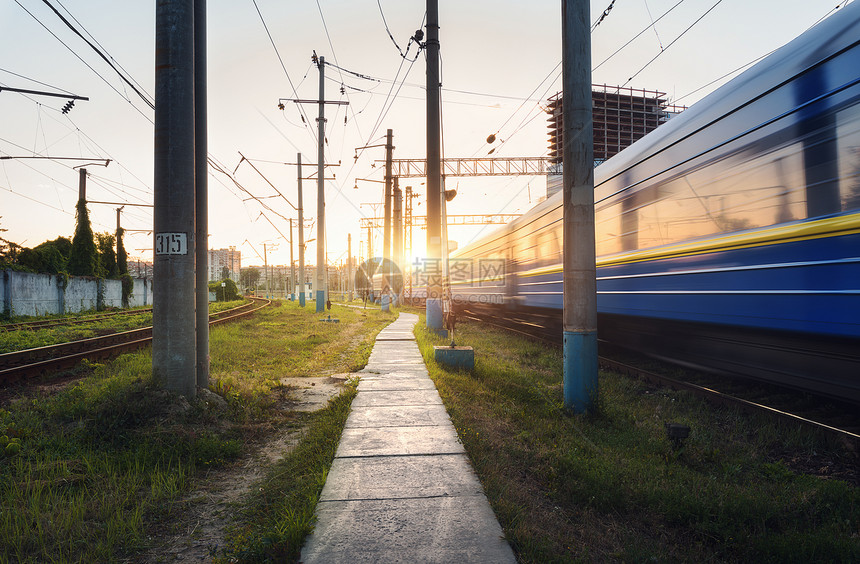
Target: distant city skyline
499,68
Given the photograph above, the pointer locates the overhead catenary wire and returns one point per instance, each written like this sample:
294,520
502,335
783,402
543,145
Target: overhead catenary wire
691,26
111,86
99,52
284,67
113,59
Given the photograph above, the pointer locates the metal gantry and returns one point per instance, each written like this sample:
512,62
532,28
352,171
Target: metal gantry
465,167
420,221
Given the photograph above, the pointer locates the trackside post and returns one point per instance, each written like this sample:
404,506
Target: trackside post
580,286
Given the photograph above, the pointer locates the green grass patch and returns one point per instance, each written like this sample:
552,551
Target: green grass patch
88,471
32,338
280,514
609,486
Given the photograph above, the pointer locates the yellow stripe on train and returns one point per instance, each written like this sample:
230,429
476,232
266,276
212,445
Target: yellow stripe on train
796,232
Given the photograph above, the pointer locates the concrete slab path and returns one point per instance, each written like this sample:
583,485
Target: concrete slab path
401,488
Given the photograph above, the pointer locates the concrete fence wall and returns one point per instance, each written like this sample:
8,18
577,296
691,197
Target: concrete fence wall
24,293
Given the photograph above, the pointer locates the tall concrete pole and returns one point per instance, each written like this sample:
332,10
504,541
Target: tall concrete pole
397,246
201,189
580,285
292,266
174,350
266,270
433,268
322,278
386,225
302,288
349,280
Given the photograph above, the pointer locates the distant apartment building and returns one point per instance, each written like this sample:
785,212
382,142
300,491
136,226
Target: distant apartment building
621,117
219,259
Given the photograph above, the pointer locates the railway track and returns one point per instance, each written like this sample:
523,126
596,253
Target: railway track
830,425
20,365
46,323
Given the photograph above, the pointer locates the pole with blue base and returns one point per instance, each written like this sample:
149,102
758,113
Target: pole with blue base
302,286
322,274
580,382
434,174
580,370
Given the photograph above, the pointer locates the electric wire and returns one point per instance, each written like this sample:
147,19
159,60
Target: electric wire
284,67
411,39
112,58
700,18
759,58
111,86
36,81
98,51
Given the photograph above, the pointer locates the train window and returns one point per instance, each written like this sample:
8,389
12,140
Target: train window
548,248
607,229
848,147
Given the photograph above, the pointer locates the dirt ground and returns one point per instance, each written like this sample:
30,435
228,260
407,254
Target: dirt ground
197,535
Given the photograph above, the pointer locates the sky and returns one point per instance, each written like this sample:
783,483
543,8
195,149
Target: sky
500,64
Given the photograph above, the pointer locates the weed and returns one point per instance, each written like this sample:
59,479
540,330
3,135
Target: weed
610,485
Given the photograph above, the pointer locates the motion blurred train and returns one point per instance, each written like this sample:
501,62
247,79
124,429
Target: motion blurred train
727,239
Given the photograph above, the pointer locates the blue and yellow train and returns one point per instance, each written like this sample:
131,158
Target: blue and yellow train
728,238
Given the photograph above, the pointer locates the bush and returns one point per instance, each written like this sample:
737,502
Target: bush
226,293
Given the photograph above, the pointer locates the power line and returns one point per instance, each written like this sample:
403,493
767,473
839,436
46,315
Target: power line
99,53
148,95
36,81
283,66
112,87
635,37
717,3
411,39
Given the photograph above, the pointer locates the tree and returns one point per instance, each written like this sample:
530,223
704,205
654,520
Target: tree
121,255
84,257
107,255
249,277
50,257
225,293
225,272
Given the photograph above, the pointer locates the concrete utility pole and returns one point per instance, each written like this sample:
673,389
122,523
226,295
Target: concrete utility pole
580,285
266,271
322,279
349,280
201,196
292,266
301,237
386,227
397,247
174,351
433,268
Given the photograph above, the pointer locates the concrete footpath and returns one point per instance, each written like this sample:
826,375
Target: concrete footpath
401,488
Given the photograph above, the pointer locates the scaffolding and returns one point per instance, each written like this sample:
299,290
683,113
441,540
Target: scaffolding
621,116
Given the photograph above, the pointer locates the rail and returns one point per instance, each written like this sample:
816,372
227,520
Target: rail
18,365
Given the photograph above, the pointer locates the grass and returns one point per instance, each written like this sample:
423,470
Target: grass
609,486
97,465
273,526
28,339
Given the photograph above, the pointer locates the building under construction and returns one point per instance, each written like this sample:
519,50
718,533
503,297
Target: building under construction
621,116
